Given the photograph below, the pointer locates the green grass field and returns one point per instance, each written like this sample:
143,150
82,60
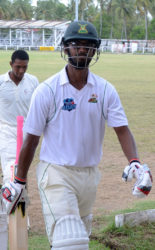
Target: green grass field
134,78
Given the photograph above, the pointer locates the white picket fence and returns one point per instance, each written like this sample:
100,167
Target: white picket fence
113,48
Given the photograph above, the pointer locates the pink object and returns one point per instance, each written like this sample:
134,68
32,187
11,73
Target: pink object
20,120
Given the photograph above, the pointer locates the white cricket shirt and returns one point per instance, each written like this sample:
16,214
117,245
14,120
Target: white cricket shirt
15,99
73,121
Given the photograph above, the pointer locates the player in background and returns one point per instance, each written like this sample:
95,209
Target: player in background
70,110
16,88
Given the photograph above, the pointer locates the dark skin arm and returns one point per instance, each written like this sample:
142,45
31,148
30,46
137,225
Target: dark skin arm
26,155
127,142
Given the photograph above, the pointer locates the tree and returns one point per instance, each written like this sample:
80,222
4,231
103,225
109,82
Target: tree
22,9
5,9
151,29
84,8
143,7
138,32
60,11
124,9
50,10
45,10
71,10
152,10
101,7
91,13
111,13
106,25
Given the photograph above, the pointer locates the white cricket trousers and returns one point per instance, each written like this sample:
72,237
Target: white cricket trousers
8,135
66,191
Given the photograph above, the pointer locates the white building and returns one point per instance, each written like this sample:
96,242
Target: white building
31,33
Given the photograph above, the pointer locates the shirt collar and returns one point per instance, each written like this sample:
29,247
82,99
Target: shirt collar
90,79
64,77
8,79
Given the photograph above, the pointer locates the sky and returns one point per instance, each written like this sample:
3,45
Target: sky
66,2
34,2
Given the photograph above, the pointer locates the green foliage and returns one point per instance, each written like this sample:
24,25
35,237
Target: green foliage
152,30
60,12
50,10
84,9
106,25
90,14
138,32
5,9
21,9
87,10
71,10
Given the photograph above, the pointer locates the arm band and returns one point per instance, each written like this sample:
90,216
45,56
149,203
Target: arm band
134,160
19,180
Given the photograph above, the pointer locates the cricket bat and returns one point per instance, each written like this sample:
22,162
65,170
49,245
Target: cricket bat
18,233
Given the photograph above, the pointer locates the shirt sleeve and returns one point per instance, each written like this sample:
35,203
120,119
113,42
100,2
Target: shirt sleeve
115,113
41,107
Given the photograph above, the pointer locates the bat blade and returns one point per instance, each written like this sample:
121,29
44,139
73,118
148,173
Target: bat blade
18,234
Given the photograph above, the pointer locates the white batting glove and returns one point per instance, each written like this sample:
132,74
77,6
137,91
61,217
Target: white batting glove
11,194
132,171
143,175
143,184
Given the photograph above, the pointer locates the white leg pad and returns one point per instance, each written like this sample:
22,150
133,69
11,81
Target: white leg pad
3,231
3,226
70,234
87,220
28,223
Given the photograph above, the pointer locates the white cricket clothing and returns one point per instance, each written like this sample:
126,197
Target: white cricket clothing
70,234
65,191
14,101
72,120
3,231
3,226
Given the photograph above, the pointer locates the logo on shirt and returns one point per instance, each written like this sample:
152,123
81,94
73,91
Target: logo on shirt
69,104
93,98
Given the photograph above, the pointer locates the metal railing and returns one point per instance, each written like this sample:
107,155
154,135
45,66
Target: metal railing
103,49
